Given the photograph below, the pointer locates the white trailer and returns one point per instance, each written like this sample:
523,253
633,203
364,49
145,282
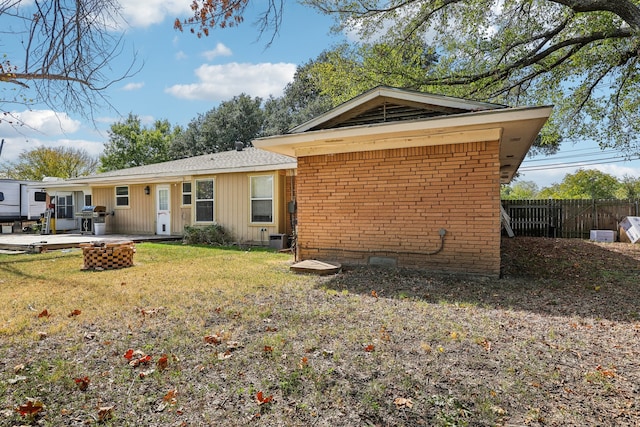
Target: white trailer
21,200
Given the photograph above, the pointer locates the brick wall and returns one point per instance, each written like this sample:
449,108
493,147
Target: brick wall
391,205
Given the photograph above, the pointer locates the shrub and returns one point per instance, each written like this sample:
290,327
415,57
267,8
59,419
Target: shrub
213,234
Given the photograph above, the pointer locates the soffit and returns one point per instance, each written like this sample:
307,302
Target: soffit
515,128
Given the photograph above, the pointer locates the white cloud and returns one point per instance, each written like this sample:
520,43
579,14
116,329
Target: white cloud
145,13
133,86
619,171
220,50
222,82
181,55
40,122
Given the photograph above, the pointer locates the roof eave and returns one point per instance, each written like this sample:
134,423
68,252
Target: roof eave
150,178
515,138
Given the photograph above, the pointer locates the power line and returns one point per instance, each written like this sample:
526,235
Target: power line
615,159
595,153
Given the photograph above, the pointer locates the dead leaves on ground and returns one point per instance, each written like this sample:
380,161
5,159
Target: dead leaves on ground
402,402
30,408
82,383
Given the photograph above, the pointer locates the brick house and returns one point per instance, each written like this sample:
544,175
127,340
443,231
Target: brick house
404,178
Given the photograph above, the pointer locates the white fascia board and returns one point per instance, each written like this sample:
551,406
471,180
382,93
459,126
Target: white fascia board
288,144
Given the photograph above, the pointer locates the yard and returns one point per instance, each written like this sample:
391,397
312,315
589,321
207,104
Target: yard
197,336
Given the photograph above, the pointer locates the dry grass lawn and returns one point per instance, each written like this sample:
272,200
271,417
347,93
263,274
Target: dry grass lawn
196,336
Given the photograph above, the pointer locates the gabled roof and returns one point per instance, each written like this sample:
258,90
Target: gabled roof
248,160
385,118
385,104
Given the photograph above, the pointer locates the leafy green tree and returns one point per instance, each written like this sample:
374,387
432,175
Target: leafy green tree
302,101
584,184
131,144
237,120
580,55
520,190
348,70
629,188
60,162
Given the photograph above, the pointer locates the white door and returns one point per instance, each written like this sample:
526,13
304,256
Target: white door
163,223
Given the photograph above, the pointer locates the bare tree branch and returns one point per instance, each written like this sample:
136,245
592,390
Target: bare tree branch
69,49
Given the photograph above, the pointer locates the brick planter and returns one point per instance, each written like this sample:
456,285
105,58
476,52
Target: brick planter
108,256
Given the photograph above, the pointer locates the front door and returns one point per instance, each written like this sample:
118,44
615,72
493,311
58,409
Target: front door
163,223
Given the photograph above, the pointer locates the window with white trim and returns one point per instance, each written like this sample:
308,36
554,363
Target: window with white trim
204,200
186,193
64,206
122,196
262,198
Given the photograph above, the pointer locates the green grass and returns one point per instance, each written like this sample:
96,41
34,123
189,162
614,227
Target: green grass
303,340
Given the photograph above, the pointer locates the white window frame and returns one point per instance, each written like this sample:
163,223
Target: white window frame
196,199
187,193
261,198
67,208
120,196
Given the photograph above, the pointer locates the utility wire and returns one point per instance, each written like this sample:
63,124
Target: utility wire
615,159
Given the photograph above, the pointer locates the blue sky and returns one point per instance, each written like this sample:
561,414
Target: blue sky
182,76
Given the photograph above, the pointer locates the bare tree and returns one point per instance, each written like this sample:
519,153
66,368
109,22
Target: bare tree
65,53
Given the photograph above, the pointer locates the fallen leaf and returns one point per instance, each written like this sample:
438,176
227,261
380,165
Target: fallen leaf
609,373
485,344
213,339
17,379
233,345
401,402
74,313
268,349
105,413
171,395
262,399
225,355
18,368
31,408
82,383
141,361
44,313
128,354
163,362
369,348
146,373
304,362
374,294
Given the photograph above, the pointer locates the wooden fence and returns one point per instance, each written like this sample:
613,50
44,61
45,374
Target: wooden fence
567,218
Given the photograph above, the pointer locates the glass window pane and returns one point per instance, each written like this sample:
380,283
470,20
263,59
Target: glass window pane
186,187
204,210
186,199
261,211
122,191
261,187
163,200
204,189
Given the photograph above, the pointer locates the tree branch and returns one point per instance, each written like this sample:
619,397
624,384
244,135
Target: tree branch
627,10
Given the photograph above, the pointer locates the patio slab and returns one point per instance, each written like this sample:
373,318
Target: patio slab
36,243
